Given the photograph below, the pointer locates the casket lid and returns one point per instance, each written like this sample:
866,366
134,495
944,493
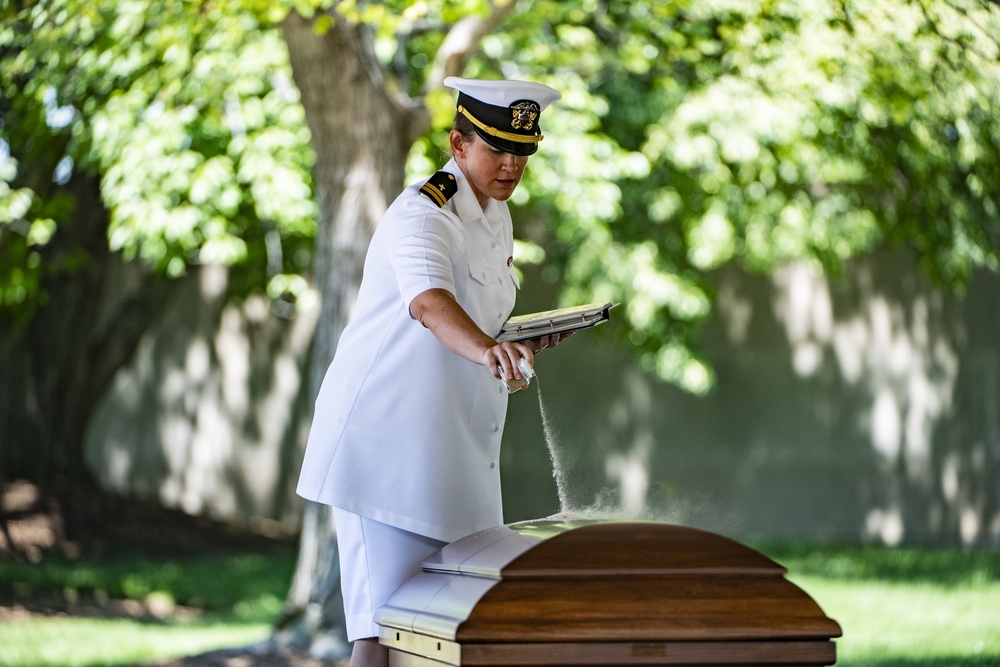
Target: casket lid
602,548
580,581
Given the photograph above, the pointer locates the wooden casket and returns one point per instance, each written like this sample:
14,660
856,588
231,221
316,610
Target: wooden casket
602,593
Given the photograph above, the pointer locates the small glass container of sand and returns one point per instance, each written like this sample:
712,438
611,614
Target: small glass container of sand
527,373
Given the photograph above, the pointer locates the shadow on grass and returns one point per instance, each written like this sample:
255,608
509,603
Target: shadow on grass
228,587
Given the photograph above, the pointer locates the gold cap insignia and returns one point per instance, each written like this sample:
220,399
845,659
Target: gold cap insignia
523,115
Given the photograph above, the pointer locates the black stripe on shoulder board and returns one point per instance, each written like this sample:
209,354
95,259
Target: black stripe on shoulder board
440,187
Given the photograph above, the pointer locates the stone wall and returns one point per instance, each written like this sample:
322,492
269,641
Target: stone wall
210,415
861,409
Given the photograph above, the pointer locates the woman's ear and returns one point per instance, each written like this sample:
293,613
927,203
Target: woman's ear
458,143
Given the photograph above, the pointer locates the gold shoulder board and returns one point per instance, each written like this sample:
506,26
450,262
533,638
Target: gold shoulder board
440,187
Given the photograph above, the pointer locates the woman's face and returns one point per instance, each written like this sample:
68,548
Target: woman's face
492,173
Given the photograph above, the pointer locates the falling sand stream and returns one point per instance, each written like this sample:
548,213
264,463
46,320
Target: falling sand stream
607,504
550,442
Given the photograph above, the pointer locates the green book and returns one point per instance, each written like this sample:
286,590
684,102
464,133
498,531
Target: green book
536,325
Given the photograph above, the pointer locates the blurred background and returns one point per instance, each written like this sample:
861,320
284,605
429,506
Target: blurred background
790,201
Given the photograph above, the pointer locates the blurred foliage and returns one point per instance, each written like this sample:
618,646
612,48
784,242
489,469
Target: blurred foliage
188,116
690,135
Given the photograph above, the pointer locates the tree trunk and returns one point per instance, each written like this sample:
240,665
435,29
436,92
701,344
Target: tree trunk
59,365
361,136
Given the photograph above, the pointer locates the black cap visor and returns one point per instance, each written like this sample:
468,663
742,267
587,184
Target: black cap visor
515,147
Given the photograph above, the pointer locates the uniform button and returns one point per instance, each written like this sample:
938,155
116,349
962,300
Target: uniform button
496,427
493,244
500,389
493,465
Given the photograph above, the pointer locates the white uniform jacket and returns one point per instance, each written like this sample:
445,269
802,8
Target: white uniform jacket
404,431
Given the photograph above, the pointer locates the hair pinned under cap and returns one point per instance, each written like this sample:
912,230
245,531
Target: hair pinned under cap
505,113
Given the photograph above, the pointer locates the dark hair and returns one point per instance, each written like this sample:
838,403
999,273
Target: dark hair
464,126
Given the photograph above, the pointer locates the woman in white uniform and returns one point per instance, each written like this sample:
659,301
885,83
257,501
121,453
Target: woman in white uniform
405,440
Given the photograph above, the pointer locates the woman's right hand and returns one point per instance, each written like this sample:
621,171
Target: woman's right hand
503,357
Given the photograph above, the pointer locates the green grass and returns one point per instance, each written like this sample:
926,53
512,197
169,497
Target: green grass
904,607
218,601
85,642
897,607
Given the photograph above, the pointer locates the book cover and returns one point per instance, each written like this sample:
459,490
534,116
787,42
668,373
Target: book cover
536,325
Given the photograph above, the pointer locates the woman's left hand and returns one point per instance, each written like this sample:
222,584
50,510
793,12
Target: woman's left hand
545,342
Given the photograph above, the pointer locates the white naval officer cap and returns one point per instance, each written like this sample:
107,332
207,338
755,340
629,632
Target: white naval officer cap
505,113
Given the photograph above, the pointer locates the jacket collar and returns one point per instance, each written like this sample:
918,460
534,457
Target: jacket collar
466,205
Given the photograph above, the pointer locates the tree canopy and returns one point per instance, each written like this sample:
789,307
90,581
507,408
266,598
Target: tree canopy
187,114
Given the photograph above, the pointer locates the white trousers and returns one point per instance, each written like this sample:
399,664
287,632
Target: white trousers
375,559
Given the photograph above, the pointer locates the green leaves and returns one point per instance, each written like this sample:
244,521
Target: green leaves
186,113
771,132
